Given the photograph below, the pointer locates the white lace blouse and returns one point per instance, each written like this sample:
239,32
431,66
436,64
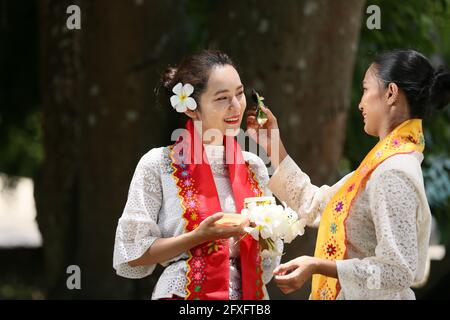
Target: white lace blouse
153,210
388,226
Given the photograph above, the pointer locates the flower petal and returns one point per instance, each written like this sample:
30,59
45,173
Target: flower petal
188,89
248,229
181,107
174,100
178,89
190,103
266,232
254,232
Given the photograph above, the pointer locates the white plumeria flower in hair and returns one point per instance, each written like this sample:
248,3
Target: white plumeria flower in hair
181,101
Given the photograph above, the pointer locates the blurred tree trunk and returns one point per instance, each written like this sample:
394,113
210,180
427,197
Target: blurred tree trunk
99,117
300,56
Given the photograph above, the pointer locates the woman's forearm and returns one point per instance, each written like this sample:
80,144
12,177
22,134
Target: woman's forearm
277,154
164,249
326,267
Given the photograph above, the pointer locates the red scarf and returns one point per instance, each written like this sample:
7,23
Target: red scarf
208,263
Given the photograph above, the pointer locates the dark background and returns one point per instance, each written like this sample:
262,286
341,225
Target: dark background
78,110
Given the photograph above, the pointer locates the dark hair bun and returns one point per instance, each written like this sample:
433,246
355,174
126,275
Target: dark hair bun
425,88
168,76
440,89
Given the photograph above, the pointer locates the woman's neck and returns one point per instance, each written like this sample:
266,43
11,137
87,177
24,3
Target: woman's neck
400,115
208,139
384,131
387,129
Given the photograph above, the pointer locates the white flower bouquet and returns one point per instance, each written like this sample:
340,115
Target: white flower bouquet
270,222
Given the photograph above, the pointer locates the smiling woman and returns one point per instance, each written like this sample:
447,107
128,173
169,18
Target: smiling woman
374,224
174,202
218,91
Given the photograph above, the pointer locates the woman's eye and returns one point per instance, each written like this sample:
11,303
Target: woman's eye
240,93
221,98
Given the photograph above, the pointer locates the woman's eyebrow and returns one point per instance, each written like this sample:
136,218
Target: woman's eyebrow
226,90
221,91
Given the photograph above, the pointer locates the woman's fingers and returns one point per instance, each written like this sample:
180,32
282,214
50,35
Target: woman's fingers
236,232
245,223
251,119
291,275
286,279
269,113
215,217
289,283
286,290
252,122
223,232
272,120
285,267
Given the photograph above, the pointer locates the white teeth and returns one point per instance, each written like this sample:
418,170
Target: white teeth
232,119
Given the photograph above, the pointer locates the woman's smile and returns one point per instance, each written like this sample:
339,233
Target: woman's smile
233,119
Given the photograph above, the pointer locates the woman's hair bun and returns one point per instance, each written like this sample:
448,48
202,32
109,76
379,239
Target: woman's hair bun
168,76
440,89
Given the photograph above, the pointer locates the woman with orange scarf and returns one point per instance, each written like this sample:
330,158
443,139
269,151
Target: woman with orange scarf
178,192
374,226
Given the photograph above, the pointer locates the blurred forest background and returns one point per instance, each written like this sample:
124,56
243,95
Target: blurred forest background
78,110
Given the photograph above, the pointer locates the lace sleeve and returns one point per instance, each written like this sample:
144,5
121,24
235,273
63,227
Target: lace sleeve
393,205
137,228
291,185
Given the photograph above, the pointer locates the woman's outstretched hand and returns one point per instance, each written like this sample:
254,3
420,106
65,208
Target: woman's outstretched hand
208,230
164,249
267,135
292,275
